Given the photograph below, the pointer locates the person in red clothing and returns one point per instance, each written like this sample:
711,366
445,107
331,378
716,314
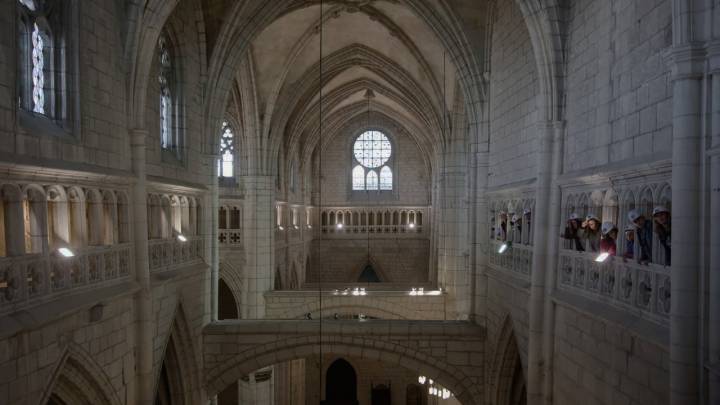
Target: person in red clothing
608,238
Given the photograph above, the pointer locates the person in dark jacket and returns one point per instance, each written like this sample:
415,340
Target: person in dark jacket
643,235
661,217
571,232
608,238
629,242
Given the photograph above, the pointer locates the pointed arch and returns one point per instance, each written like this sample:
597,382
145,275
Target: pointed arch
177,371
78,379
509,383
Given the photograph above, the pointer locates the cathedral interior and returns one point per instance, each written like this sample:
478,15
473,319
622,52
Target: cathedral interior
359,202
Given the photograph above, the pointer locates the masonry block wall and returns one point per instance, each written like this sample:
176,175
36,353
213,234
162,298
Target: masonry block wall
513,90
602,362
619,103
99,139
395,260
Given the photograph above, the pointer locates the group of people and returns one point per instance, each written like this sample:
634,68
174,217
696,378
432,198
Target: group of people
592,235
516,224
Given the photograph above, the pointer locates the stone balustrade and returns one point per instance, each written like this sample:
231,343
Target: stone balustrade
348,221
36,278
166,254
516,258
641,289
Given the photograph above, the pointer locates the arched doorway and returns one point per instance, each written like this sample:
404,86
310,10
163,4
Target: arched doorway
340,384
227,306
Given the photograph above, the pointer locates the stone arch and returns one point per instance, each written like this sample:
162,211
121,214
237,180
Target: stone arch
181,357
78,379
465,389
508,381
228,302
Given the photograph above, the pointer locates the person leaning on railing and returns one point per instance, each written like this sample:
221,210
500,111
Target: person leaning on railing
661,218
608,238
643,235
571,231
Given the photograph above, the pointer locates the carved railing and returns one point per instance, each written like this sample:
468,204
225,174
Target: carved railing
230,237
168,253
516,258
640,288
347,221
35,278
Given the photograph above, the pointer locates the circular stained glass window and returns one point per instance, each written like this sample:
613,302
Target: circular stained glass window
372,149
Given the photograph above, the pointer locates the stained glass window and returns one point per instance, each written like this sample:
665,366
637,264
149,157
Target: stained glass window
165,79
227,152
386,179
36,57
372,152
372,149
372,180
358,176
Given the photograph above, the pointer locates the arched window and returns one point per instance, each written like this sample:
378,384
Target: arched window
372,180
372,153
227,152
386,178
169,133
358,176
37,56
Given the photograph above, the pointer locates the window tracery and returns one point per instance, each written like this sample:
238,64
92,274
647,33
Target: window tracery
372,153
227,152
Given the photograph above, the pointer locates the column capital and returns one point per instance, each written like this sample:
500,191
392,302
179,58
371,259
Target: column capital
138,137
686,61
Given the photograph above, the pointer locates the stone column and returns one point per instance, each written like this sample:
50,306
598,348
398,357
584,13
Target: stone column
452,242
143,299
14,223
687,67
714,234
212,246
545,226
258,234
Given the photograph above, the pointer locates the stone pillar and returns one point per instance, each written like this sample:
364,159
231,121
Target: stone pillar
210,229
687,67
545,226
714,234
14,223
258,234
453,255
144,322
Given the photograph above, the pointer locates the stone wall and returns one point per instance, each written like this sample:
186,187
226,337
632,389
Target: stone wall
618,86
395,260
513,89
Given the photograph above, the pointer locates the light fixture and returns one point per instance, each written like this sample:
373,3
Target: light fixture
296,227
412,225
280,227
182,238
421,291
363,292
339,225
602,257
413,291
422,379
309,226
66,252
445,393
503,248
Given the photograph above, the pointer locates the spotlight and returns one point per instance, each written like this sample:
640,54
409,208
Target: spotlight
280,227
422,379
602,257
339,226
182,238
363,292
412,225
66,252
503,248
413,291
